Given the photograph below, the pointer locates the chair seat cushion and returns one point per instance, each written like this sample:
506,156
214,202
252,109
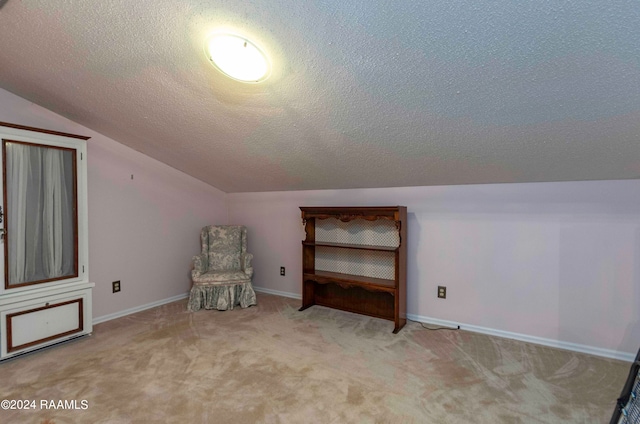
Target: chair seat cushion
221,277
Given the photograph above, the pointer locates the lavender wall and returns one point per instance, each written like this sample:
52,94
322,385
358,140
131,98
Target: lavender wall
142,231
557,263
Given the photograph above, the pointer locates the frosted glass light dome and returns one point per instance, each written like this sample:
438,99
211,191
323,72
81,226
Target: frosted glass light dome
237,57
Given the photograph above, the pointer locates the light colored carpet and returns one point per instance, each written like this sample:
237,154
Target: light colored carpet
273,364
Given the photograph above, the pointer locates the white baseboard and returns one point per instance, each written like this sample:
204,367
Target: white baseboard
592,350
278,293
126,312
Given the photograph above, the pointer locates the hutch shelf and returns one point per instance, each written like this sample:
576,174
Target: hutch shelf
355,259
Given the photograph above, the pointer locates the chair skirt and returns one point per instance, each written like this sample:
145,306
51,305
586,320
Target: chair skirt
221,296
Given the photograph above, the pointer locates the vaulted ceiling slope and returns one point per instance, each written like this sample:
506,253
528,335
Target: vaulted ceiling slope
376,93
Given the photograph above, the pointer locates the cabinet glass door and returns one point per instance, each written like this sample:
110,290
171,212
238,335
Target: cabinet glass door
40,213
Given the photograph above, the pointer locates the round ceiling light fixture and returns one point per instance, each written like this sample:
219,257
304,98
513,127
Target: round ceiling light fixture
237,57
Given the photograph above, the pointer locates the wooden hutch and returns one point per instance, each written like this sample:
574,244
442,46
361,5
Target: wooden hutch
355,259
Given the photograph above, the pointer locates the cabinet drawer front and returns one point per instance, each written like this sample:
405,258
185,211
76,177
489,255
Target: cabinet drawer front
38,325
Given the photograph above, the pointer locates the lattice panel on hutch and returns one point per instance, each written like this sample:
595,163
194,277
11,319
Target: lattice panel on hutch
358,231
356,262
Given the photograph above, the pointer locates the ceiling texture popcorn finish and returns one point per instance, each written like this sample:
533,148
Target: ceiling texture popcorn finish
361,94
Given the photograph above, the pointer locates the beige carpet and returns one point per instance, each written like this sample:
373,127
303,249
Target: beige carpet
273,364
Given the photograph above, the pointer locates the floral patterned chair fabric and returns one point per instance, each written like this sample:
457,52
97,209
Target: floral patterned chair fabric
222,271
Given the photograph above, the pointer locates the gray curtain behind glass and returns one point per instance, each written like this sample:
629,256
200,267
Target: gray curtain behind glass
40,213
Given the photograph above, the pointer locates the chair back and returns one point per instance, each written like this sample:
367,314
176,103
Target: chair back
223,246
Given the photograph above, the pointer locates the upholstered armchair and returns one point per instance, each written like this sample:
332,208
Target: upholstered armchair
222,271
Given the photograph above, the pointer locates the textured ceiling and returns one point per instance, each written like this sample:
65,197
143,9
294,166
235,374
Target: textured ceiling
362,94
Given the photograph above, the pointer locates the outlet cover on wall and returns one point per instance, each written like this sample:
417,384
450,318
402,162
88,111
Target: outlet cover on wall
115,286
442,292
281,270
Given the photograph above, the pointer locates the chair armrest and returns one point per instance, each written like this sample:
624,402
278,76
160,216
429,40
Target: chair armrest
245,261
199,265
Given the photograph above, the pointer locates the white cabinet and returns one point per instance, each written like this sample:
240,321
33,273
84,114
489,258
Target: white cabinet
45,294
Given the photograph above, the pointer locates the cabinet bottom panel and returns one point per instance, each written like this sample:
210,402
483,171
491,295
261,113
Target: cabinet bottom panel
355,299
38,325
